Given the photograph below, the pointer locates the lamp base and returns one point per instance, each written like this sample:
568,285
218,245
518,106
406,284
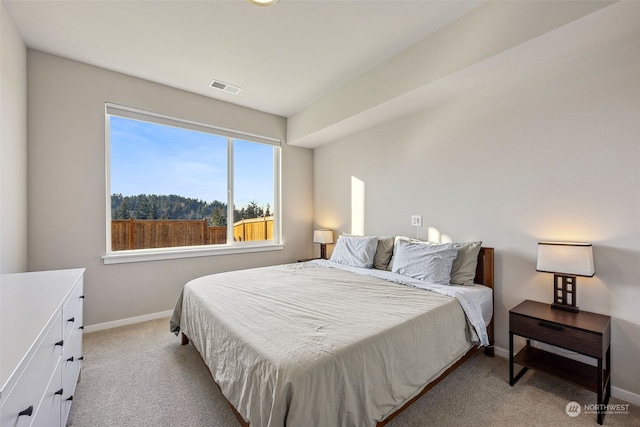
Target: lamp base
564,307
564,292
323,251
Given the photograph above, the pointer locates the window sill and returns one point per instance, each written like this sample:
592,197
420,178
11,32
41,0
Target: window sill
142,255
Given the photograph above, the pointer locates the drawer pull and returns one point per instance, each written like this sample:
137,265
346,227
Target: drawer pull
81,358
60,343
81,297
70,359
59,392
551,326
73,319
81,327
26,412
70,398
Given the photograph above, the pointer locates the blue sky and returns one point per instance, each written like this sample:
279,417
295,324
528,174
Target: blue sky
147,158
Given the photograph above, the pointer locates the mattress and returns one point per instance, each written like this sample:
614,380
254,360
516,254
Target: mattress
313,344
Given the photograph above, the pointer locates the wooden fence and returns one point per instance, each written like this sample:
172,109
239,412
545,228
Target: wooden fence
144,234
253,229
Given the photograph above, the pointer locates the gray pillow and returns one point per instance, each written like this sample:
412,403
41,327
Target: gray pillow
383,252
356,251
431,263
463,270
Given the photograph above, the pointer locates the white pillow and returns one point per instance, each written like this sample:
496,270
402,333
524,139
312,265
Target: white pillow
356,251
406,239
431,263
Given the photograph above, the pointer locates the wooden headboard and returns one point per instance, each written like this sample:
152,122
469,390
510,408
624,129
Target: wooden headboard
484,269
484,276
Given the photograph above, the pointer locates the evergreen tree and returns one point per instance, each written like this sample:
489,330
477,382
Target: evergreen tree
253,210
218,217
176,207
123,210
145,209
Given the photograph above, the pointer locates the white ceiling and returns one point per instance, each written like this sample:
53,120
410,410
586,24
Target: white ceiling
284,57
331,67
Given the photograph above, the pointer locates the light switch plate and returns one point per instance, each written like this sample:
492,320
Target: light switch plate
416,220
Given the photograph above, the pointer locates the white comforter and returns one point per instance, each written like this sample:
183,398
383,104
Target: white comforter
304,345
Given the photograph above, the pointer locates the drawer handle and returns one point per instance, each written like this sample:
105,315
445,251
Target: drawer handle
81,358
81,297
551,326
73,319
26,412
59,392
70,398
60,343
70,359
81,327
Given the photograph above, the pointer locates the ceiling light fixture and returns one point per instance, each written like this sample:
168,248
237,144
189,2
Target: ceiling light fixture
263,2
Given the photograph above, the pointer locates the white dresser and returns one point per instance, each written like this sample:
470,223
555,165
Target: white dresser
40,346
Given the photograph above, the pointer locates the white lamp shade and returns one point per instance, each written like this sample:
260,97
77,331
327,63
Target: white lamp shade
566,258
323,236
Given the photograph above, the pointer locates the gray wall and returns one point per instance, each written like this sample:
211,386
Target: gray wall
550,155
66,191
13,147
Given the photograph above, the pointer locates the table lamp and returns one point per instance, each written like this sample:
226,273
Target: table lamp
565,261
324,237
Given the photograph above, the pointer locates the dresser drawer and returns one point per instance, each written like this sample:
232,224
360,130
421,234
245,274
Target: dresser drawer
71,364
72,347
72,310
70,375
578,340
29,388
48,414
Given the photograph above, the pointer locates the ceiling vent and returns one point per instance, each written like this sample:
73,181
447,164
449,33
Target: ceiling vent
217,84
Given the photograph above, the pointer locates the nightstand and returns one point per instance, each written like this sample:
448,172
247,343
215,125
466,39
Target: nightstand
583,332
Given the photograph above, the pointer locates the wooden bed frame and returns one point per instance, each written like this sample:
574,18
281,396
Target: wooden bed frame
484,276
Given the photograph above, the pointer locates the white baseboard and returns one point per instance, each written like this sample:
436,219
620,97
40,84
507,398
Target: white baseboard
499,351
128,321
616,392
625,395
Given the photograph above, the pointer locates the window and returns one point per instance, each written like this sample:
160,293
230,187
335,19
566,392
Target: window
177,188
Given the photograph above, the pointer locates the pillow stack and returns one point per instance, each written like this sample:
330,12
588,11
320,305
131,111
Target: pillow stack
442,263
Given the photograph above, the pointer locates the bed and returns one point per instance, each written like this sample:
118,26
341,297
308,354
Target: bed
324,343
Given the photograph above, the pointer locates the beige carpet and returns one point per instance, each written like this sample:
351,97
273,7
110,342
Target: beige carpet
140,375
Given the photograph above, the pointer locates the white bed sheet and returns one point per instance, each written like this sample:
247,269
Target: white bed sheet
476,300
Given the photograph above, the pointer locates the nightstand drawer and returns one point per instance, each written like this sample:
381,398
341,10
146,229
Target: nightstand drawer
577,340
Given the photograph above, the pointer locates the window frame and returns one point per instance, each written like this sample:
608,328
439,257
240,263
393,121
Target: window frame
231,247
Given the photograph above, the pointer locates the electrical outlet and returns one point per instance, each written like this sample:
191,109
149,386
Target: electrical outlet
416,220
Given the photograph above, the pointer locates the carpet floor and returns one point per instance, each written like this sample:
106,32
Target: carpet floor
139,375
